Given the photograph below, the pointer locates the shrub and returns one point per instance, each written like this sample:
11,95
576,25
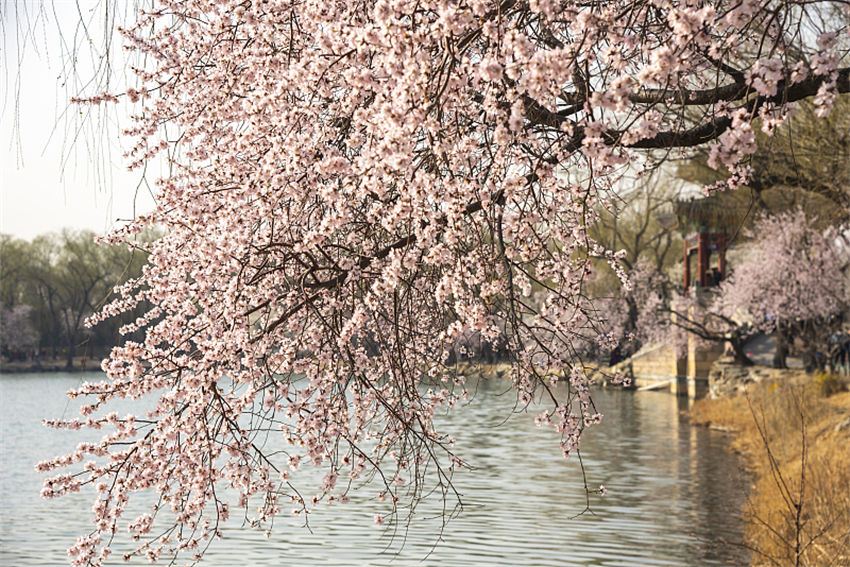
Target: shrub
828,384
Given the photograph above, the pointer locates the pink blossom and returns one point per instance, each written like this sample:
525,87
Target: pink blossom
354,187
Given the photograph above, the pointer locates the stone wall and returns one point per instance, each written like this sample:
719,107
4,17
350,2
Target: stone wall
653,364
659,366
653,367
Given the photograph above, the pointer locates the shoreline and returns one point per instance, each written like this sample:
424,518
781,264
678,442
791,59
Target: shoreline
792,435
31,367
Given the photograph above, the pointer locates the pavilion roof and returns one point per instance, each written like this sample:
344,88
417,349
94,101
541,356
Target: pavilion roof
732,210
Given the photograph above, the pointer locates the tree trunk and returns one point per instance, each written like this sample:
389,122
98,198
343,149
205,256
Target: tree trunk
740,354
616,356
623,350
780,355
72,352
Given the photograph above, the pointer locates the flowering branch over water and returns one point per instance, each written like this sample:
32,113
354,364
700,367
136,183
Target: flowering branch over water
352,188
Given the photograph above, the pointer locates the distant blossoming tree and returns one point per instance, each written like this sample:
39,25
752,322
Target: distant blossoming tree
353,186
18,337
641,223
793,282
701,317
634,315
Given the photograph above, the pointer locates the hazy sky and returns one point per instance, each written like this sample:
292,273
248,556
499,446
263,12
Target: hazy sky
59,170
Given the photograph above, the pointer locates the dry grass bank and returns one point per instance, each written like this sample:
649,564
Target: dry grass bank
796,438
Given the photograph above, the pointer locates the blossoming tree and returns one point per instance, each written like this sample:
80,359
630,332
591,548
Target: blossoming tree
17,333
353,186
793,282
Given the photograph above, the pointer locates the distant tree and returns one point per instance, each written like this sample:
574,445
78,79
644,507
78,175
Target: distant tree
702,316
801,162
45,293
18,337
83,279
640,224
626,317
14,262
809,150
793,281
62,279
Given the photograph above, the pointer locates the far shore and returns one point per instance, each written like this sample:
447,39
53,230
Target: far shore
81,364
88,364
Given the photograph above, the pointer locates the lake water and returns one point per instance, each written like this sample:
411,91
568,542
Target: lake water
674,498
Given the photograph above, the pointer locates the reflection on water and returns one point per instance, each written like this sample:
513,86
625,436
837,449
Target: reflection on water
675,493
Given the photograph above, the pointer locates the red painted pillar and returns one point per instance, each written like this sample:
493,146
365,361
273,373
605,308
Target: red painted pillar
702,259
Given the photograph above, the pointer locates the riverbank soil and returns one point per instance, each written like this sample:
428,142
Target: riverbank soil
795,435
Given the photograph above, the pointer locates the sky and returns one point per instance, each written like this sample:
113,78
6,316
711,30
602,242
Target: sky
61,169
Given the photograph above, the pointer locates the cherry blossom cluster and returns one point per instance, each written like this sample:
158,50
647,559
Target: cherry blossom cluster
355,186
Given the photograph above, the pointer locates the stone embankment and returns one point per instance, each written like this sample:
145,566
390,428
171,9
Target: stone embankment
728,379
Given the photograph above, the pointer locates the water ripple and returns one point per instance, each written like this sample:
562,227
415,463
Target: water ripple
674,498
